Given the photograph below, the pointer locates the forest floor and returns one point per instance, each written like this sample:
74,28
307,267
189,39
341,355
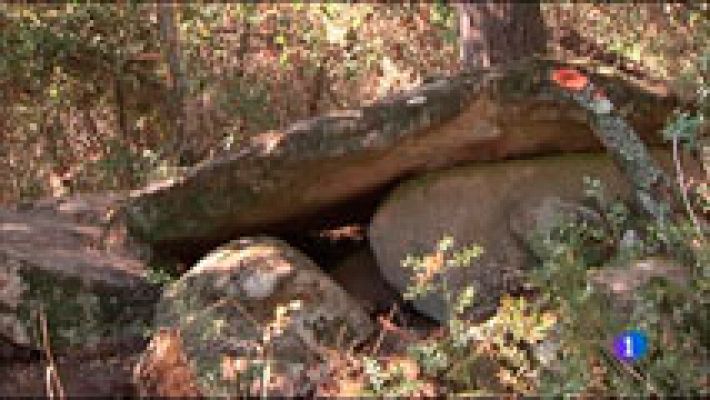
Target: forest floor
110,373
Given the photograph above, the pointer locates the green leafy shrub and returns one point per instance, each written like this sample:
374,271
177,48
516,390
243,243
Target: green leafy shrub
390,380
588,323
469,358
558,340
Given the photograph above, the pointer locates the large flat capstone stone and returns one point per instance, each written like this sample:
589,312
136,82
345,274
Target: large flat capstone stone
296,173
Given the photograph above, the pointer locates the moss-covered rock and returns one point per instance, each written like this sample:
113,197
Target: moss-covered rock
535,224
294,174
238,306
475,204
53,265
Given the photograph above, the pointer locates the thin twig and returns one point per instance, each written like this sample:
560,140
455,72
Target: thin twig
683,191
381,336
48,382
266,372
629,370
52,381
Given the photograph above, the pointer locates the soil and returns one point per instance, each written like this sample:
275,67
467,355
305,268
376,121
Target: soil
108,374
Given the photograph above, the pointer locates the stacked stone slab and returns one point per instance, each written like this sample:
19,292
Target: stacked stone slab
288,179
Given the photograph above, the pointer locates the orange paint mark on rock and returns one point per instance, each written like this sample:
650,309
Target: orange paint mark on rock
569,79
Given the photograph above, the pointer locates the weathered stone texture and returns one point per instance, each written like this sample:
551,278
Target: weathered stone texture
294,174
226,303
49,262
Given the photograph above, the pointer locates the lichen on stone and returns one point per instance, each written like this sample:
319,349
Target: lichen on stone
11,328
11,285
77,313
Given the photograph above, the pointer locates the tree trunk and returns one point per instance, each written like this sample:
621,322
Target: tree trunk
176,80
493,33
